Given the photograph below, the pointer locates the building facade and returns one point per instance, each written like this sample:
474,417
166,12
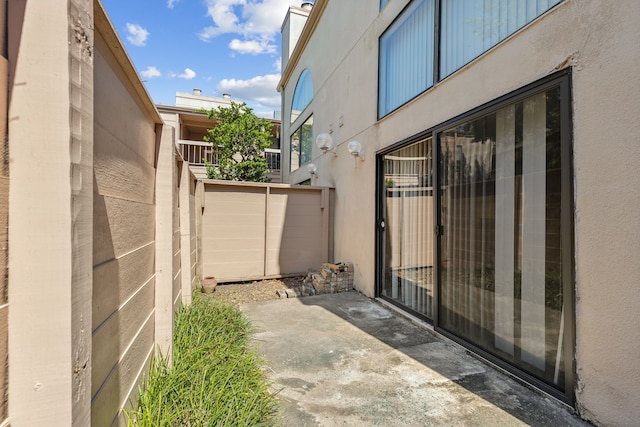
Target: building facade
484,175
191,123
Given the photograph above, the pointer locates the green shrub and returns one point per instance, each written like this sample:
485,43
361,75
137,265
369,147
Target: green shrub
214,379
240,139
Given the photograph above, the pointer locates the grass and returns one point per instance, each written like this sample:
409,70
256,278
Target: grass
214,379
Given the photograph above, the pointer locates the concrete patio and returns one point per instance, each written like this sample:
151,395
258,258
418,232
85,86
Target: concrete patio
344,359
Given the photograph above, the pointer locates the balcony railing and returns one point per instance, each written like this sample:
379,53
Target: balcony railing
273,159
196,152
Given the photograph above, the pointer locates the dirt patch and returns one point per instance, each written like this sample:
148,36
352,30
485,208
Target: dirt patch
259,290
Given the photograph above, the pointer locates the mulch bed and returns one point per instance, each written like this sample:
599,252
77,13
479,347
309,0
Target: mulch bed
259,290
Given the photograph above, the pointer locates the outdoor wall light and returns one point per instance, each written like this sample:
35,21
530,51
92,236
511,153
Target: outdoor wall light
324,141
356,150
312,169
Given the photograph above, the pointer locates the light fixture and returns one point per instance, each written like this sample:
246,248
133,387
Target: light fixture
312,169
324,141
356,149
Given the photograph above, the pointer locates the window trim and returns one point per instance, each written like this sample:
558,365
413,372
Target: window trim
563,80
302,118
305,72
299,128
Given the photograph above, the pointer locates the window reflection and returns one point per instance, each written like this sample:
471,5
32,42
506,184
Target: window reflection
500,270
302,144
408,201
302,95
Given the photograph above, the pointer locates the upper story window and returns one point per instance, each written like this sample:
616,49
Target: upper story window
471,27
408,64
303,94
406,56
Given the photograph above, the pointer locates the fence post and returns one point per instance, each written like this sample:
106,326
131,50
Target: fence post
165,204
51,209
186,234
326,212
266,229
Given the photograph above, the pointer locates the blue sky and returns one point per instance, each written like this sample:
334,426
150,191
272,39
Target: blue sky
218,46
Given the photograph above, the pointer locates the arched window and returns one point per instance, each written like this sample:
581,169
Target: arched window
303,94
301,139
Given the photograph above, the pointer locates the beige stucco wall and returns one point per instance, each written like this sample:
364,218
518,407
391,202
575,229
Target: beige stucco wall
291,28
4,210
598,40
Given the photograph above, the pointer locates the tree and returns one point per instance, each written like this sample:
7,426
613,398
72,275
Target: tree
240,138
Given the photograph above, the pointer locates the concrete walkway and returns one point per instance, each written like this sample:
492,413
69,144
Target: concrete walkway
346,360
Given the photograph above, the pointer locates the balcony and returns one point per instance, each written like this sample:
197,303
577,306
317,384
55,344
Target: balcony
197,152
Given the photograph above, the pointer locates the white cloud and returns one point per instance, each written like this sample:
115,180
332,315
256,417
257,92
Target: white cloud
278,64
253,47
257,21
261,89
170,3
151,72
266,16
224,16
187,75
137,35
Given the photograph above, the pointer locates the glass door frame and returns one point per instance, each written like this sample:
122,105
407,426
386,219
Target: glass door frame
380,225
563,80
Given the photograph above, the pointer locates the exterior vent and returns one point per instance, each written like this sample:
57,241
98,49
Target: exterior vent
307,5
197,91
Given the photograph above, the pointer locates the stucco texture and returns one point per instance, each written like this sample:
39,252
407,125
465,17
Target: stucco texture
597,41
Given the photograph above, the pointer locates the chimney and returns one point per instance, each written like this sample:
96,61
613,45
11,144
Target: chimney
292,27
226,96
197,91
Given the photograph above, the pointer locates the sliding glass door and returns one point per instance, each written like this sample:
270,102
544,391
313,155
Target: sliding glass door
487,256
501,284
407,205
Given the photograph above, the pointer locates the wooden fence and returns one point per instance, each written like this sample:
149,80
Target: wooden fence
252,230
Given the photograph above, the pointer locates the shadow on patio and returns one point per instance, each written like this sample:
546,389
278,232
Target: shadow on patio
344,359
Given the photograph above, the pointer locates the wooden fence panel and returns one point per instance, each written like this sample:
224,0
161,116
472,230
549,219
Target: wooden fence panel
253,230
